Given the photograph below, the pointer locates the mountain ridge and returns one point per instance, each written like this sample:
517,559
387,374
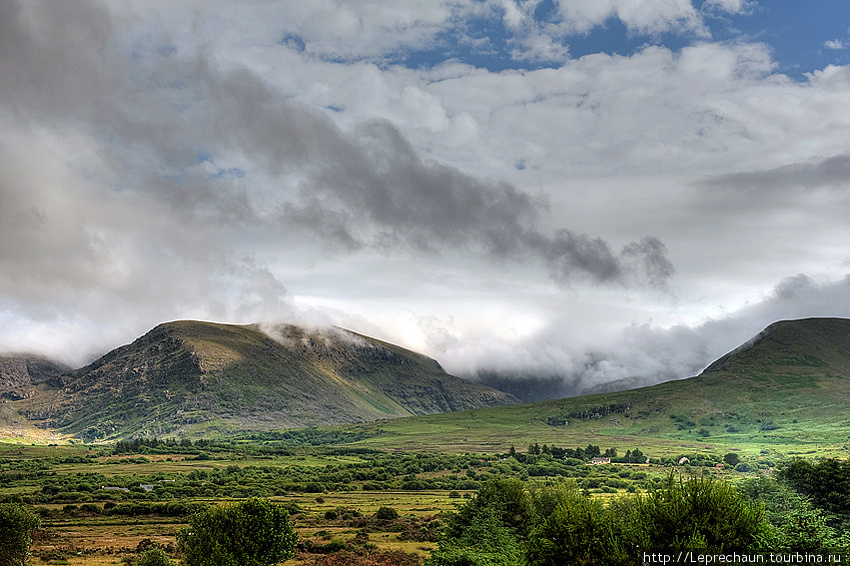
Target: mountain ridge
195,377
789,383
784,392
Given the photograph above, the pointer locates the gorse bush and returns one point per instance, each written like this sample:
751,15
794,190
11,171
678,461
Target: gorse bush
578,531
154,557
491,529
506,524
386,514
697,514
483,540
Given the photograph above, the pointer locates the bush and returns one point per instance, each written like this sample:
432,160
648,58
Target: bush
487,530
483,541
580,531
154,557
386,514
697,514
255,532
17,524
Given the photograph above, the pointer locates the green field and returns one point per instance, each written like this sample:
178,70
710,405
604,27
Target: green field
334,491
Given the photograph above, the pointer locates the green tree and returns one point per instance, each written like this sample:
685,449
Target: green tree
255,532
805,529
508,498
483,541
386,514
826,482
579,531
490,529
799,525
732,459
17,524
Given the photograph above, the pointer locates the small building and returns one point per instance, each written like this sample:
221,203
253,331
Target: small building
600,460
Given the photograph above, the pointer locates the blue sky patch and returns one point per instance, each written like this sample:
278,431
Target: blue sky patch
803,37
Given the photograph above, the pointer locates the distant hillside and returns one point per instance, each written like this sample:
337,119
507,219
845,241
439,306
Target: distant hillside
18,372
816,347
205,378
788,388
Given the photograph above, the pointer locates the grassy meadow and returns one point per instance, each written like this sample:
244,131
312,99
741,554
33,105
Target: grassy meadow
421,468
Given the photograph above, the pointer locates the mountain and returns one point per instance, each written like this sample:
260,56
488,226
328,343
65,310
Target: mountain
18,372
785,391
792,349
205,378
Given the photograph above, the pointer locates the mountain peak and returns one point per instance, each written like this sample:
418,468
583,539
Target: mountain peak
200,377
791,346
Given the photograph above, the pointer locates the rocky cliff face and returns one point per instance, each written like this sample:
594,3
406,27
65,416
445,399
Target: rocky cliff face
18,373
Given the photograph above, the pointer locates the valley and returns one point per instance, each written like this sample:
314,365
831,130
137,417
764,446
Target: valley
780,397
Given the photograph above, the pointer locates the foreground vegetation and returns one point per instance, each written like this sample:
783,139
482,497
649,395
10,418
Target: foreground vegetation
357,505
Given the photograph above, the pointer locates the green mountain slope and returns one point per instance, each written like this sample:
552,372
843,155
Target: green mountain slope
203,378
786,391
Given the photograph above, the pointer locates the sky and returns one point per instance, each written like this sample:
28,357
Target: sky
574,191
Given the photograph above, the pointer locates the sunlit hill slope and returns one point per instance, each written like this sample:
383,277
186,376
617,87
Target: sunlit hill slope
786,391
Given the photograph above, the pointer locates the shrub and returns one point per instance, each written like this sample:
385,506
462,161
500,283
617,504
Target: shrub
386,514
732,459
579,531
483,541
700,513
154,557
255,532
17,524
488,529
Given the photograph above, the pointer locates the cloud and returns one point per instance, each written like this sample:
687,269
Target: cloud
647,18
158,160
836,44
645,354
143,180
830,173
730,6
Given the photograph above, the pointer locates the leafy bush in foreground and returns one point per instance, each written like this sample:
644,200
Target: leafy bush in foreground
506,525
697,514
17,524
255,532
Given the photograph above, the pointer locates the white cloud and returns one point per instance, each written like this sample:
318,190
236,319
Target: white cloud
835,44
730,6
649,17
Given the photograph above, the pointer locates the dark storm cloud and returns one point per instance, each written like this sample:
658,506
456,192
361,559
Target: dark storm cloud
382,194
